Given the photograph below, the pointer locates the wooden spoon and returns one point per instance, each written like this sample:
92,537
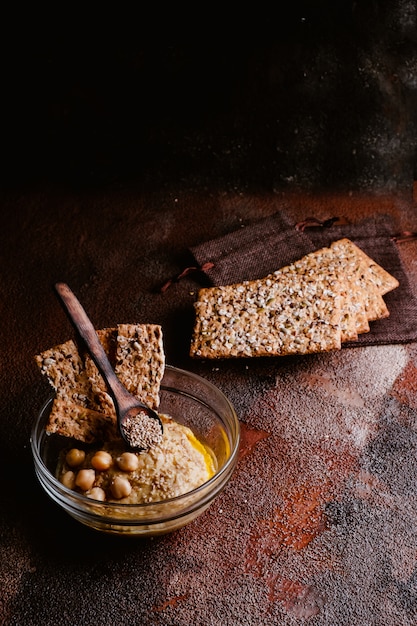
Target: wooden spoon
139,426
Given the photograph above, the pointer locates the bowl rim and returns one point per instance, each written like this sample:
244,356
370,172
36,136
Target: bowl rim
84,500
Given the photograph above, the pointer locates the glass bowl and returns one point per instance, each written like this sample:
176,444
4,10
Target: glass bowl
188,399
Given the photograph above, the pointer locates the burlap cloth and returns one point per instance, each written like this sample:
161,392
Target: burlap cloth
263,247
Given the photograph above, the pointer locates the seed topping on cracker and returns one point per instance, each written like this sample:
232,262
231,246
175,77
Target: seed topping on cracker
82,408
312,305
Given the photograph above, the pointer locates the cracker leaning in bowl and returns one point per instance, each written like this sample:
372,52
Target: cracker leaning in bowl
82,407
93,460
312,305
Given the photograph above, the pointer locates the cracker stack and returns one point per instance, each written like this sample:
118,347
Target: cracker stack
313,305
82,407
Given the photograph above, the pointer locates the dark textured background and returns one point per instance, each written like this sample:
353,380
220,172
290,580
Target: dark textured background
311,95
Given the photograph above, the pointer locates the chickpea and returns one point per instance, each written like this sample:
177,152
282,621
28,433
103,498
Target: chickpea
120,487
75,457
68,479
102,460
85,479
128,462
96,493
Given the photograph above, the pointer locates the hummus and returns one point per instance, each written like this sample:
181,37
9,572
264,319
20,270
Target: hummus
112,473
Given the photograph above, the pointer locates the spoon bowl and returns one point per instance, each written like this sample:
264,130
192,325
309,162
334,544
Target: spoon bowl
139,425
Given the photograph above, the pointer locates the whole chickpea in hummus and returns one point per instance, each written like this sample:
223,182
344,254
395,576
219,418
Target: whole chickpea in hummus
177,465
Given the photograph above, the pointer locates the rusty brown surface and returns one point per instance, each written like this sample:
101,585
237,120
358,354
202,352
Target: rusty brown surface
319,520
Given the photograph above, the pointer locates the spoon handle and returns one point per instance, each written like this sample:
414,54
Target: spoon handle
86,330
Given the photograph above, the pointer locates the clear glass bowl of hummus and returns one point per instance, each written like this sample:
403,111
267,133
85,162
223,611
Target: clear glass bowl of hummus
187,399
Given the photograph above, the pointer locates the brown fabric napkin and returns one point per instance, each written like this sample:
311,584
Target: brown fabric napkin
263,247
253,251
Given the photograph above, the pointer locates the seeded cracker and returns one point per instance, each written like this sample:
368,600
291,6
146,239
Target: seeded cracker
83,408
372,281
255,318
63,366
376,274
363,298
100,394
282,314
325,261
71,420
140,360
